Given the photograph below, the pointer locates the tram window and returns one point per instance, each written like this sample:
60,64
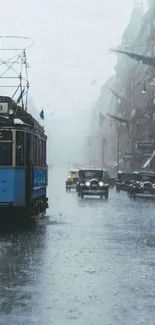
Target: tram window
5,135
35,150
44,144
31,148
20,135
38,151
5,153
28,148
41,152
44,153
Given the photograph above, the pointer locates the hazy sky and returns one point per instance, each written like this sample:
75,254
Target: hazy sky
72,40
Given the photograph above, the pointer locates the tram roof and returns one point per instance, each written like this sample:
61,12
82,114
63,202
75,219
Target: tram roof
20,114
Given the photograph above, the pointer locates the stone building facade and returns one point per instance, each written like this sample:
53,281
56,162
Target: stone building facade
137,142
138,108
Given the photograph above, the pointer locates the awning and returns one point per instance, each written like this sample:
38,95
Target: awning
148,60
149,160
120,161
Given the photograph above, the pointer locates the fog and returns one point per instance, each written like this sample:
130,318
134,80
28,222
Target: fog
69,62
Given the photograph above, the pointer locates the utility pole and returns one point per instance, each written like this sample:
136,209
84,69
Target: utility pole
118,120
118,134
102,151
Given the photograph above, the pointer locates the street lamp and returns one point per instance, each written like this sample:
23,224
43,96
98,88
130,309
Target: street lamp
145,82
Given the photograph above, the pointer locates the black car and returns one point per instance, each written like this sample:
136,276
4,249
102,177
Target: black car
91,182
123,181
143,185
107,179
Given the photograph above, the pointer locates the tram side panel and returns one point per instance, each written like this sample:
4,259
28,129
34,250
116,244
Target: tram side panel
19,187
12,187
39,182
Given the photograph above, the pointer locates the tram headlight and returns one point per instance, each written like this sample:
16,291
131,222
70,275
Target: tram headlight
88,183
11,111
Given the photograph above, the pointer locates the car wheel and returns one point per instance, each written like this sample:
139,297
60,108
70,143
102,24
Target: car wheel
82,195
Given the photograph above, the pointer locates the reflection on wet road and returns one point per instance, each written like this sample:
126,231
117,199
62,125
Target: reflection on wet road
89,262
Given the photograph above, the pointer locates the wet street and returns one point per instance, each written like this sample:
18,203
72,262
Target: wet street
88,262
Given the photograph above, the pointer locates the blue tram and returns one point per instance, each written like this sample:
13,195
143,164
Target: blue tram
23,167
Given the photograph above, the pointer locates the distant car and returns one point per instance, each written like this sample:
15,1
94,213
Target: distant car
72,179
123,181
107,179
143,186
91,182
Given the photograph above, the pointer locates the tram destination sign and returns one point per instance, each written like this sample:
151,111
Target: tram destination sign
3,108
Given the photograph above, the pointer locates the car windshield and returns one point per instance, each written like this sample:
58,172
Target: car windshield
105,174
146,178
126,176
74,174
88,174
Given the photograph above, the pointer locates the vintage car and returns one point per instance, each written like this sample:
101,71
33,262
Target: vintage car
143,185
72,179
91,182
123,181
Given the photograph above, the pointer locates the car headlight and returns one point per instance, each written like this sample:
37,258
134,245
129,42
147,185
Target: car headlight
87,183
101,183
